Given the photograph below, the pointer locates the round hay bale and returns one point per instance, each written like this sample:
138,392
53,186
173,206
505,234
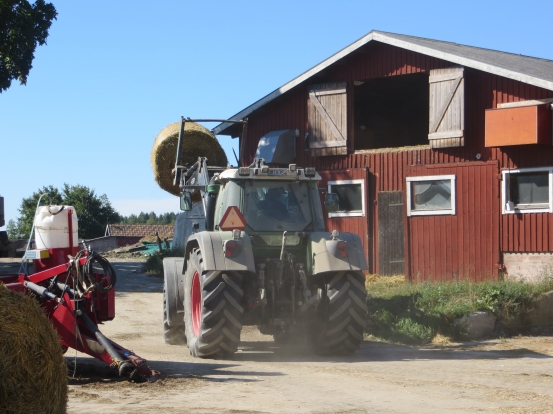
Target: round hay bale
33,374
198,141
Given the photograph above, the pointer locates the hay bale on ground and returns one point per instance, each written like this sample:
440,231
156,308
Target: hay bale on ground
198,142
33,375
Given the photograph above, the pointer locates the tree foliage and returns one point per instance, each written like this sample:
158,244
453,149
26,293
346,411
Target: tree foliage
149,218
23,26
11,229
93,212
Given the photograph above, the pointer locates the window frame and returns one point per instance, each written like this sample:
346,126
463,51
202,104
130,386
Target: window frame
451,211
355,213
506,172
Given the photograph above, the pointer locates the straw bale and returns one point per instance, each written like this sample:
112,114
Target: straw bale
198,142
33,374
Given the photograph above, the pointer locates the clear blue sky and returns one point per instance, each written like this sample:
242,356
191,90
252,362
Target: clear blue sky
114,73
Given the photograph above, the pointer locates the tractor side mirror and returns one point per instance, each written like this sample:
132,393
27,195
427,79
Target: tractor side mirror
185,201
331,202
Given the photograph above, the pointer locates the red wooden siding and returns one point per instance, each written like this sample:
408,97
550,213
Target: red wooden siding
516,233
464,245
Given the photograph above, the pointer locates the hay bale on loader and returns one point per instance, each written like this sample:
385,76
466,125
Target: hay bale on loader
198,142
33,374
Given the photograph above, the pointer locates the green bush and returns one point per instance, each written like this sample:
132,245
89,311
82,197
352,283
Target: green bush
154,263
414,313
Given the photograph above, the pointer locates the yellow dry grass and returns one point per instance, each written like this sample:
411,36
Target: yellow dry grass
33,375
198,141
441,340
389,281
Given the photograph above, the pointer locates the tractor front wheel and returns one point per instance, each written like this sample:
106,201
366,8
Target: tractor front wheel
212,309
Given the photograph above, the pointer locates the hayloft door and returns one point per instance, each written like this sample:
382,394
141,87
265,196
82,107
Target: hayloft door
327,118
447,108
391,252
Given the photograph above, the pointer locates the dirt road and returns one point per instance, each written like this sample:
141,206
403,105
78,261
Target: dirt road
505,376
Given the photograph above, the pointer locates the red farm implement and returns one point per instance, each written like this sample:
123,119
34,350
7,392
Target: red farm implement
76,290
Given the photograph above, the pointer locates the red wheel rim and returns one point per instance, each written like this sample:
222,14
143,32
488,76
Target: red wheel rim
196,303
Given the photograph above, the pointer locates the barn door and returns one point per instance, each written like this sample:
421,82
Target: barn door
327,117
391,253
447,108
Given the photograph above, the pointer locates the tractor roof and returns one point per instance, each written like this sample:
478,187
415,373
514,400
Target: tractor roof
291,173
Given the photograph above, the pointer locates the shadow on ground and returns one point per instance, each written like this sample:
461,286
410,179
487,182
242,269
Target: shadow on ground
131,279
83,371
378,352
90,371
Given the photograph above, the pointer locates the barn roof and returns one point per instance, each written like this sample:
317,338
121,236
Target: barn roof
139,230
531,70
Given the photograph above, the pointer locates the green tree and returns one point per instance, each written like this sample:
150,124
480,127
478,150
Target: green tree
152,219
132,219
94,212
12,231
149,218
23,26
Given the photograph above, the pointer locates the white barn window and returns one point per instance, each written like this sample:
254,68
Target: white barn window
351,197
431,195
527,190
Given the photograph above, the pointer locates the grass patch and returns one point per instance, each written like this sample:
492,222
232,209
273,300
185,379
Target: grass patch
416,313
154,263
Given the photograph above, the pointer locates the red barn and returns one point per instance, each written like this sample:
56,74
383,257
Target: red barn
441,153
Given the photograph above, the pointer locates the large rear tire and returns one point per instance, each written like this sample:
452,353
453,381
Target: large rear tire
339,321
212,308
173,315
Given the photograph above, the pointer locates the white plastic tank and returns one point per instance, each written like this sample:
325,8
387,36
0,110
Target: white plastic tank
52,227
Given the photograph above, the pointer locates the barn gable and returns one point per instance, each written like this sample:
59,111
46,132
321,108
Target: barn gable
530,70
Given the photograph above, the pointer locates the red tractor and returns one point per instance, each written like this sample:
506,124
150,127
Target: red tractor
75,287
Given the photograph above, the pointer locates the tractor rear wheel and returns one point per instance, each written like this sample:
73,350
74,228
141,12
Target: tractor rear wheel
212,308
339,321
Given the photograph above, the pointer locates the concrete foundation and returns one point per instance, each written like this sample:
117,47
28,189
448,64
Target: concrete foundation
528,267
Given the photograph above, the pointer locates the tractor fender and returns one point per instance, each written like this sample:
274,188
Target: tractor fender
325,256
173,290
211,244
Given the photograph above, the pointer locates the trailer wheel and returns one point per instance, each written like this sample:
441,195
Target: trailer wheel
212,308
173,315
339,321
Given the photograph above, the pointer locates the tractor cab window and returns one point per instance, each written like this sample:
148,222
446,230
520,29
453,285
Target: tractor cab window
277,205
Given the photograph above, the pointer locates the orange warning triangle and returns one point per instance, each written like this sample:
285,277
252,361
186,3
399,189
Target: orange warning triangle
232,220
